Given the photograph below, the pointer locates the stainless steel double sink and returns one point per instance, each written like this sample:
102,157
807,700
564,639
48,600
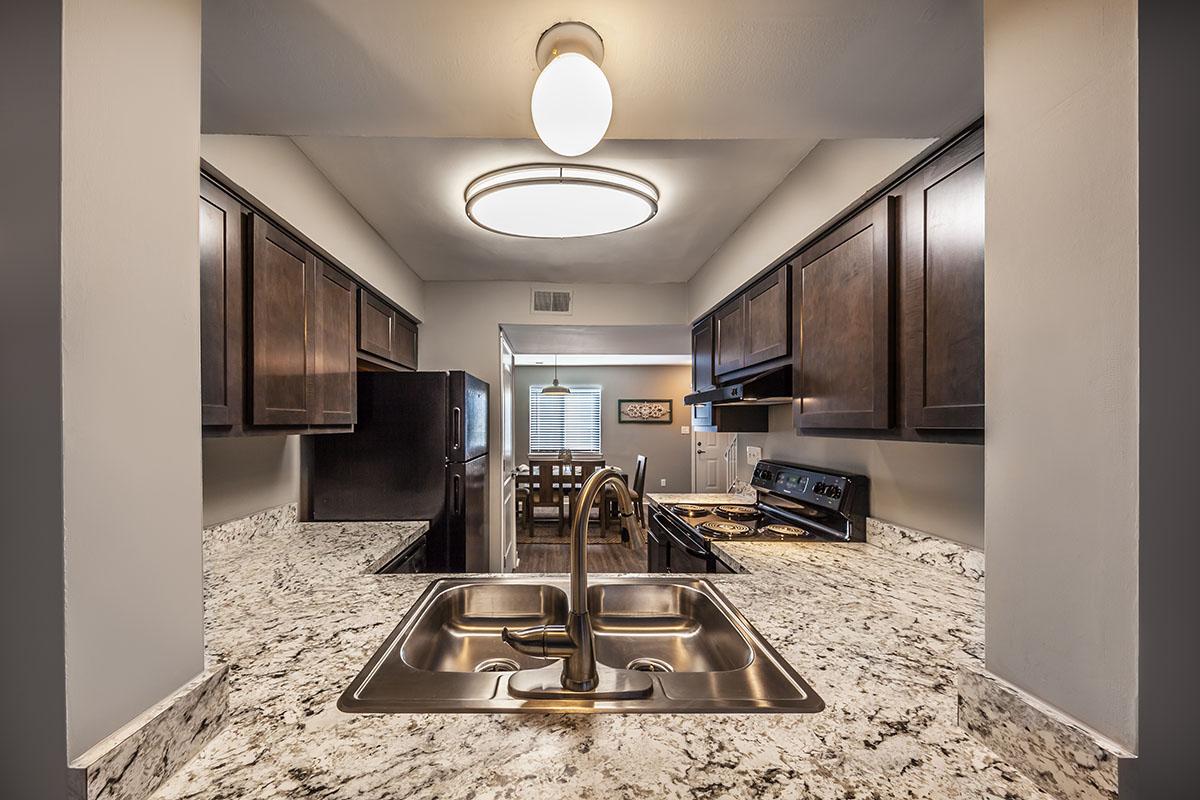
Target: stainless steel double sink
446,655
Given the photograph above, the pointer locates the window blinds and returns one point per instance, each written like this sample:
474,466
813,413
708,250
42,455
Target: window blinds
570,421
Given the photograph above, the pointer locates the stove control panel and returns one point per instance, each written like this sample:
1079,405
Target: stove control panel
802,484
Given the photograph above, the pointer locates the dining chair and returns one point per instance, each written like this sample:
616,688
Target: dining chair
638,489
546,490
581,471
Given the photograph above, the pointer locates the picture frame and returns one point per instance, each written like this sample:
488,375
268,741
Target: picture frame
642,411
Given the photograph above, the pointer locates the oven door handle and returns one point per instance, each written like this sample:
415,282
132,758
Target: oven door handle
678,542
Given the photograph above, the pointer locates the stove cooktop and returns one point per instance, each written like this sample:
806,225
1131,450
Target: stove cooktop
744,523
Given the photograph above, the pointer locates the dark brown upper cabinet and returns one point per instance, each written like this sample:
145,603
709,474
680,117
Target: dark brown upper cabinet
222,238
333,318
752,328
282,364
702,355
842,311
942,262
282,333
729,336
384,333
768,334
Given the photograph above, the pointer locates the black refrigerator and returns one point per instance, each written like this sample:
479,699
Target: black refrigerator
418,452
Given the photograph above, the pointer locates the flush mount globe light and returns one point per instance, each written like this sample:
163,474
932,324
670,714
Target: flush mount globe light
560,201
572,102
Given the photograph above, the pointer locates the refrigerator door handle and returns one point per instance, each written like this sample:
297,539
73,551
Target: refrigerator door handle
456,498
456,425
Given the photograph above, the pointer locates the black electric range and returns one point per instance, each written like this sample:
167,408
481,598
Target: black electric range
793,502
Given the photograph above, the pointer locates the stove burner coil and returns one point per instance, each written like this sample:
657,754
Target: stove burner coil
690,509
791,531
738,512
725,529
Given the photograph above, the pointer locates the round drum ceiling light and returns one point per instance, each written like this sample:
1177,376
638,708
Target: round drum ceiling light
572,102
560,201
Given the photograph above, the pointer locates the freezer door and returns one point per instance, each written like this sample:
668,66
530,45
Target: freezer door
467,413
466,514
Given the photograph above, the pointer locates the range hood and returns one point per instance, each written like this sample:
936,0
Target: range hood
769,388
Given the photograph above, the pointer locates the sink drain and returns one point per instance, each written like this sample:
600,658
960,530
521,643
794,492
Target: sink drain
497,665
649,665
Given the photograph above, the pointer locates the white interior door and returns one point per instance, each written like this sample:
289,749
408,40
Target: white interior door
711,471
508,468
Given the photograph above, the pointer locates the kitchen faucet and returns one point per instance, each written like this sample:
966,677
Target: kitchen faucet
574,642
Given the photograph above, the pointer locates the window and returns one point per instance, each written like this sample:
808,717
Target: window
568,420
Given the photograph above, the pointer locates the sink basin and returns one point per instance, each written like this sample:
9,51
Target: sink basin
701,654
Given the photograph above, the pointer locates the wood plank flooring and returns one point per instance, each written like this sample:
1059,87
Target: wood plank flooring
555,557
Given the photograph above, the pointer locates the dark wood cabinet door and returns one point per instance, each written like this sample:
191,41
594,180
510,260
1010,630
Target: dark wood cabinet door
942,256
729,336
842,370
222,235
768,334
404,343
376,323
281,361
702,355
335,376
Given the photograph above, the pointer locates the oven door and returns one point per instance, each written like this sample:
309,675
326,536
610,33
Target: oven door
657,547
681,551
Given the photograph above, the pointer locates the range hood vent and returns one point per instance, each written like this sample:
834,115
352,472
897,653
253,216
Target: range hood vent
769,388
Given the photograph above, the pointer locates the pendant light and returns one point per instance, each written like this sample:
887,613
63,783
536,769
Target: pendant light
572,102
555,389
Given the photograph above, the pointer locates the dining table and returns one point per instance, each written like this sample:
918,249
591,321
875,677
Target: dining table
573,483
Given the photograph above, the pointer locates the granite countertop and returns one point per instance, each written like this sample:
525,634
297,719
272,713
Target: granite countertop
878,636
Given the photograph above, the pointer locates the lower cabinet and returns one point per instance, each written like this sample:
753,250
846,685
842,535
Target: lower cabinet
842,310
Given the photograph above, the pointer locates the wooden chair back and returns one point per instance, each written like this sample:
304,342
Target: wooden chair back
639,476
543,480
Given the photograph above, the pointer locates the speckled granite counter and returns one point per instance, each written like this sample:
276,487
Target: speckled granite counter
879,636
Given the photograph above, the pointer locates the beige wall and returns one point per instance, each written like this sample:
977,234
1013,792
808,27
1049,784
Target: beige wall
278,173
937,488
835,174
667,451
934,487
248,474
462,331
1061,495
131,358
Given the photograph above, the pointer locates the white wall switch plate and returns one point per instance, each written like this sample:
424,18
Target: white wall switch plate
685,430
753,454
662,482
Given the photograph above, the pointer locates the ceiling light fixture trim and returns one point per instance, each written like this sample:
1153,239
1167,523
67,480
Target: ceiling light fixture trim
559,201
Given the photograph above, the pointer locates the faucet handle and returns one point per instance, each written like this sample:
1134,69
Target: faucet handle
542,641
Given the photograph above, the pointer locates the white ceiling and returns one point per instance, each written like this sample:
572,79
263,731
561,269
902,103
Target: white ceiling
411,191
600,339
402,104
679,69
